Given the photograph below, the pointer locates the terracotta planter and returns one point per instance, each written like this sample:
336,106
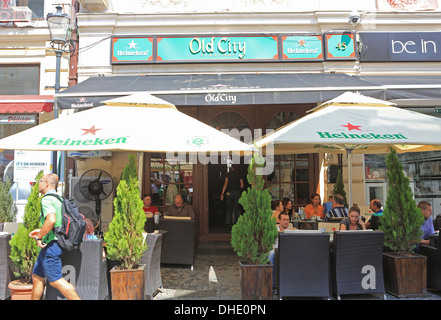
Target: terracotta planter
256,281
405,276
20,290
128,284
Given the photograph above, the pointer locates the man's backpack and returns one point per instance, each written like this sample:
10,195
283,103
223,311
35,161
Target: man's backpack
70,233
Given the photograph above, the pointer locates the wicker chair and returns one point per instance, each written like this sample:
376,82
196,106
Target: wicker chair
303,265
433,255
179,246
152,260
86,269
5,266
357,262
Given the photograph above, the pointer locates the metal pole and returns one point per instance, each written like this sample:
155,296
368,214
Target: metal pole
349,151
58,54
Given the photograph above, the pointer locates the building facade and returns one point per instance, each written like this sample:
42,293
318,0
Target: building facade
257,64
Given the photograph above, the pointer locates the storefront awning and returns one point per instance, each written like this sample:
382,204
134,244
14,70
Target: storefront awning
409,90
26,103
218,89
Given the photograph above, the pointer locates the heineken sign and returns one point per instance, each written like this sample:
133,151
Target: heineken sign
51,141
358,135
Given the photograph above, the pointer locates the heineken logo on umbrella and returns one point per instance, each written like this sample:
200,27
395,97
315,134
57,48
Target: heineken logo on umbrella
82,142
362,136
198,141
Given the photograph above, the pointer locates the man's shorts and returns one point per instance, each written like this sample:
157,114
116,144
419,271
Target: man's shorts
48,263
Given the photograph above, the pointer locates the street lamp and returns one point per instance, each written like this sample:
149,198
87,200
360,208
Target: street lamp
58,24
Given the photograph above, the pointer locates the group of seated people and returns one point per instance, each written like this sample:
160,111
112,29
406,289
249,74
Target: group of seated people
179,209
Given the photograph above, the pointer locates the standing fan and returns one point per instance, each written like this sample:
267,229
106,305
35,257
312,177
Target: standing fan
96,184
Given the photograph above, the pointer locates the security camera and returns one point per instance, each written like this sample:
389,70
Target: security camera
354,18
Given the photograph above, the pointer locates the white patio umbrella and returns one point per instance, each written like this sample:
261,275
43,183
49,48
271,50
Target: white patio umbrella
353,123
140,122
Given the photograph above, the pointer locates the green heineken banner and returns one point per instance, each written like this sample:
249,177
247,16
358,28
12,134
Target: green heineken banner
340,46
232,48
302,47
218,48
136,49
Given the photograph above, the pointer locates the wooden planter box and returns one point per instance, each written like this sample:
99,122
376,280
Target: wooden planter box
128,284
256,281
405,276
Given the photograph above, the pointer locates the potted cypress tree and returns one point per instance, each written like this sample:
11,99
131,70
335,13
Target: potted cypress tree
339,187
24,250
124,239
8,210
253,237
405,272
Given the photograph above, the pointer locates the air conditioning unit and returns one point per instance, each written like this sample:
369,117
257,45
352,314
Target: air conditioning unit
89,154
88,207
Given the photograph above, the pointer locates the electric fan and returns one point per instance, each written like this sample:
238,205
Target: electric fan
97,185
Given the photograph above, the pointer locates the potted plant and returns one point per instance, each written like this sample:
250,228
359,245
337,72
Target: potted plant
253,236
405,272
8,210
24,250
339,187
124,239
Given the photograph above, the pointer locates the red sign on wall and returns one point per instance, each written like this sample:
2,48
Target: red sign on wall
14,14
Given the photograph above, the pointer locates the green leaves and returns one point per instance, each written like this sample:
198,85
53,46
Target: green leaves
402,219
254,234
24,250
124,239
8,210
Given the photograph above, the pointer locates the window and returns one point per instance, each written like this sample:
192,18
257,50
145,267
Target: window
291,176
37,7
19,79
169,179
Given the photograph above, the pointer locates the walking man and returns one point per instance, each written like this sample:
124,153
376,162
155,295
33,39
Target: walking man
48,263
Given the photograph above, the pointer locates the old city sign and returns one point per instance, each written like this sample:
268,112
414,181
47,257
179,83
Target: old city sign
401,46
239,48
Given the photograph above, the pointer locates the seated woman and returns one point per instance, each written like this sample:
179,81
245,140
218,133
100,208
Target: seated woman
277,206
315,208
354,221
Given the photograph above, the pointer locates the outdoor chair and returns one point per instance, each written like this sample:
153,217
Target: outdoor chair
152,260
303,264
5,266
433,255
86,269
357,262
179,246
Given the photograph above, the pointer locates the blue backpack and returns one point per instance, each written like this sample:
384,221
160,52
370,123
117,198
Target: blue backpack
70,233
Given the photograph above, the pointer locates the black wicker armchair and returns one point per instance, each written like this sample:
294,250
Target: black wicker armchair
303,265
357,262
152,260
86,269
433,254
6,274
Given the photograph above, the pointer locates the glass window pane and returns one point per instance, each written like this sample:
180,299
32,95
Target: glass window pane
273,189
287,191
302,194
19,80
302,171
286,171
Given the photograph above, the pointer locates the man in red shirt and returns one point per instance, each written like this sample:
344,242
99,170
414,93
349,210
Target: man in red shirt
148,208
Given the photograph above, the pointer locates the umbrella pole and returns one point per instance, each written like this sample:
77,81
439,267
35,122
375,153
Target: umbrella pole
349,152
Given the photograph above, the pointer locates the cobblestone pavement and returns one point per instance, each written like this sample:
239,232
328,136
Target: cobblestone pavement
215,276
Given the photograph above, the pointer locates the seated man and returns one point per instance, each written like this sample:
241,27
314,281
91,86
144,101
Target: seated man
180,209
338,208
374,221
284,225
427,226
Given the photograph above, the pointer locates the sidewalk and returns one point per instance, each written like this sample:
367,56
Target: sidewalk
215,276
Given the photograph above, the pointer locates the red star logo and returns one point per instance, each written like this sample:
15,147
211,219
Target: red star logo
301,43
351,127
82,100
92,130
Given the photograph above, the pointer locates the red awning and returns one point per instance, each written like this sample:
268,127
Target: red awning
26,103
